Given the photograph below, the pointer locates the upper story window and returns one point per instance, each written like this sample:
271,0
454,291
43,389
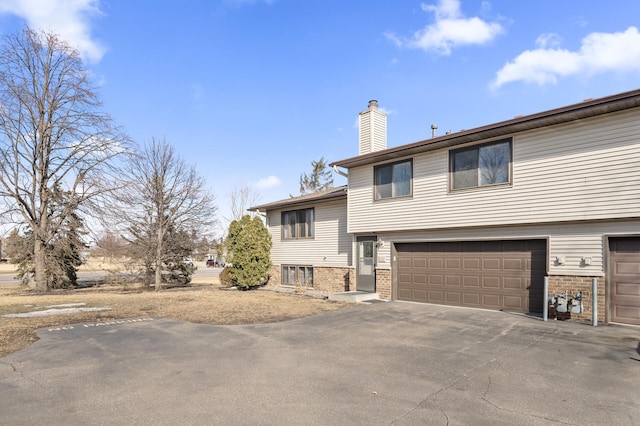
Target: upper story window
481,165
393,180
297,224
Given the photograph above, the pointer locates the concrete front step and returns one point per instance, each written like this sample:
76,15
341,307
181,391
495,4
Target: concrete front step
353,296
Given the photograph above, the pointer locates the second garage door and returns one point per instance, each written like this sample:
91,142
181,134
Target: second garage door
625,280
499,275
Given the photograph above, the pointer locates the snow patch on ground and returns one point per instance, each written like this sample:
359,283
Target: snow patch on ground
66,305
60,311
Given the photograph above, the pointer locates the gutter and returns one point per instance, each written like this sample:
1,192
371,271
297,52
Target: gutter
340,172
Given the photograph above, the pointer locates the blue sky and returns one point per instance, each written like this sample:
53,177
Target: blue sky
251,91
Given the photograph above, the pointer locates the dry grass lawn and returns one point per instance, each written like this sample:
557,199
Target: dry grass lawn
204,302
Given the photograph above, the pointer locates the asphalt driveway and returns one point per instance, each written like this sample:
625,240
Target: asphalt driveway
385,363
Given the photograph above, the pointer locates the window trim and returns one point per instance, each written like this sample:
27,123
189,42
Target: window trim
479,186
297,268
297,225
391,164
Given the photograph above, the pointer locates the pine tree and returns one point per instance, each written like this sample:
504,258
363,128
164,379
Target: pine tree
320,178
63,252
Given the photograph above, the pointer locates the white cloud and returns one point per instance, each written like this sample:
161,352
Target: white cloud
548,40
68,18
599,53
450,29
268,182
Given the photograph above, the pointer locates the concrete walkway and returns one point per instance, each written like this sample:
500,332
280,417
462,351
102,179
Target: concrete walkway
378,364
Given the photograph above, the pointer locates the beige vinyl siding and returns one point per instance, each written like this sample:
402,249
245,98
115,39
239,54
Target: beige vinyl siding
572,241
586,170
330,247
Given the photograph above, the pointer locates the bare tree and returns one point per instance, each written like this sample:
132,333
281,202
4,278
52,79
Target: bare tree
240,199
164,198
52,133
109,245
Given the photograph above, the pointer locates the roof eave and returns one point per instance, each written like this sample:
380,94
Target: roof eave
337,194
566,114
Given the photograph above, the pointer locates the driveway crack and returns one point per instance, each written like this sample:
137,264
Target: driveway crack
22,375
433,397
498,407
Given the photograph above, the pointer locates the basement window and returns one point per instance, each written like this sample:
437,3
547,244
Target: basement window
297,275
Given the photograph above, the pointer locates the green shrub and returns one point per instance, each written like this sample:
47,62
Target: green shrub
249,244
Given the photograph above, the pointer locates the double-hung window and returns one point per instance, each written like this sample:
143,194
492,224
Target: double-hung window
481,165
393,180
297,224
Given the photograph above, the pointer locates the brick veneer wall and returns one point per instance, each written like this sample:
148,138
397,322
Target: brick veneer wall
330,280
383,283
572,285
334,280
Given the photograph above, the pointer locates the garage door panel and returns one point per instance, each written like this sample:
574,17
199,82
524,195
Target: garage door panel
405,294
452,280
514,283
404,262
404,278
513,303
471,264
627,314
491,264
513,264
627,267
453,298
420,294
492,301
471,299
472,281
625,280
455,263
491,282
491,274
436,280
627,289
420,279
436,296
419,263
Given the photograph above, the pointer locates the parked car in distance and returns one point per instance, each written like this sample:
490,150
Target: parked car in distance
215,263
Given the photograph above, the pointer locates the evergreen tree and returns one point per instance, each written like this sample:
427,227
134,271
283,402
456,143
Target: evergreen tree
63,252
320,178
249,245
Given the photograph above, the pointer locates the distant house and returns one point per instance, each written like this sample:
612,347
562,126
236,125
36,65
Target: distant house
478,218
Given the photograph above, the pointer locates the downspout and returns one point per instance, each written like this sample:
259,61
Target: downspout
340,172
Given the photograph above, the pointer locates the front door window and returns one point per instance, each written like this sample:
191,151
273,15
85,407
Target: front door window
366,275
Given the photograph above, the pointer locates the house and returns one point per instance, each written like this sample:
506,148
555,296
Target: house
478,218
311,246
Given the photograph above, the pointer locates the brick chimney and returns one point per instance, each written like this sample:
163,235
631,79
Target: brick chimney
372,129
